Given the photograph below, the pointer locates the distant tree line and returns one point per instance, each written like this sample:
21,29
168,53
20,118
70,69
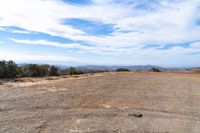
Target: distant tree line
9,69
155,70
122,70
35,70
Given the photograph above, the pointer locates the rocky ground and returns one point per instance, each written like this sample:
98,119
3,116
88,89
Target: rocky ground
126,102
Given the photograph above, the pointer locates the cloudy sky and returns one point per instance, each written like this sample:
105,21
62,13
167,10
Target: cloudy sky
101,32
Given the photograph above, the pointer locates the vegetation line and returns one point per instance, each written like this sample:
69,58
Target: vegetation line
10,70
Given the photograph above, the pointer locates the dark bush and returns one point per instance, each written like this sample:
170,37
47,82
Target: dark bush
155,70
74,71
3,69
122,70
34,70
8,69
12,69
53,71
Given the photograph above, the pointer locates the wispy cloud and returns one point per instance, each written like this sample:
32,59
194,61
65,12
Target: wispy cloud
135,24
34,57
47,43
21,31
175,50
92,49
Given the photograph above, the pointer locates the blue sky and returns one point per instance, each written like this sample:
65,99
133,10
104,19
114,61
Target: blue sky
101,32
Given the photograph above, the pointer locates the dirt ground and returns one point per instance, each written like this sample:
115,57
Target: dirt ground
103,103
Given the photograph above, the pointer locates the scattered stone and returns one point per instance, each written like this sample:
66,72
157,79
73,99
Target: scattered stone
116,131
1,83
106,106
139,115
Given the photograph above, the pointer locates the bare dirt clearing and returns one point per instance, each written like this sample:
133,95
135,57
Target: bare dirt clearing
103,103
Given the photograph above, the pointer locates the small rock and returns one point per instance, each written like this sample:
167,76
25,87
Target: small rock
136,115
106,106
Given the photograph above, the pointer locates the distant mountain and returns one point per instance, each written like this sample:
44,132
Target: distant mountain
113,68
90,68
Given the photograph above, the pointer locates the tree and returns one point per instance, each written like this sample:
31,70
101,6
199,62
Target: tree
2,69
8,69
53,71
12,69
34,70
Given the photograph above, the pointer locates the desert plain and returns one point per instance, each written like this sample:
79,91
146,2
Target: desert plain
102,103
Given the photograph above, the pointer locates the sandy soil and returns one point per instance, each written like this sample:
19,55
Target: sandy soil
103,103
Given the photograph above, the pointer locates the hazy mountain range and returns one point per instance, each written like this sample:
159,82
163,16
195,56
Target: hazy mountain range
113,68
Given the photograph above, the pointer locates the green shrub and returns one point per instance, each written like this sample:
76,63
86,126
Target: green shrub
53,71
155,70
3,69
34,70
8,69
12,69
122,70
74,71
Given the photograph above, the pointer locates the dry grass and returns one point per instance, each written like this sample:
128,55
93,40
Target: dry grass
24,80
52,78
196,71
1,82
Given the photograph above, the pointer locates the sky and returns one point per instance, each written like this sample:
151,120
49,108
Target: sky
101,32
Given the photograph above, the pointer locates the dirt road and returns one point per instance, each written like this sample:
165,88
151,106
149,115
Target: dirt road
103,103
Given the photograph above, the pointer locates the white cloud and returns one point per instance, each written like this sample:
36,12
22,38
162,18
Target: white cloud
167,22
92,49
47,43
15,31
196,45
2,29
34,57
21,31
144,26
153,52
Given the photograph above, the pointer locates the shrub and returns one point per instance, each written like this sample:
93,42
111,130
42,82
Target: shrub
155,70
34,70
3,69
122,70
8,69
53,71
74,71
12,69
